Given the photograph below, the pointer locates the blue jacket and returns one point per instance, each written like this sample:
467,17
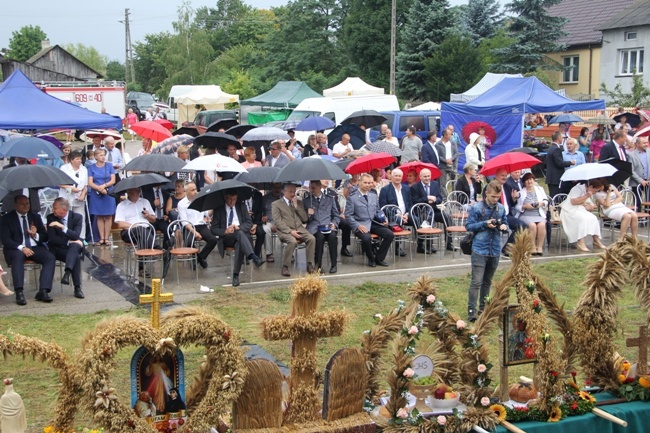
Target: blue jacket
487,242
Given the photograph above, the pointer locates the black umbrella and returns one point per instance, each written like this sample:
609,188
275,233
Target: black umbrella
310,169
239,130
357,136
525,149
224,124
343,163
30,147
367,118
624,170
384,146
194,131
139,181
632,119
155,162
217,140
33,176
259,177
212,196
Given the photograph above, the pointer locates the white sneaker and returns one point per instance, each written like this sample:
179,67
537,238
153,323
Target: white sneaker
206,289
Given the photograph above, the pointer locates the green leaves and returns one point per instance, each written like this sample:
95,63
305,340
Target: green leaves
25,42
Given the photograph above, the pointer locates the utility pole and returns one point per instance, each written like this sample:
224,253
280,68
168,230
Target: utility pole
393,37
128,63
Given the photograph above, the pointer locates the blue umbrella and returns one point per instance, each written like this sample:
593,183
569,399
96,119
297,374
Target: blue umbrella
316,123
30,147
565,118
357,136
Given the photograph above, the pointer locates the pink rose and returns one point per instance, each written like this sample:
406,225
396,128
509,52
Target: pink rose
402,413
460,324
482,368
431,299
413,330
442,420
409,372
485,401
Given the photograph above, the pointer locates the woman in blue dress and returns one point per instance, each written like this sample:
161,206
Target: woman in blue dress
101,177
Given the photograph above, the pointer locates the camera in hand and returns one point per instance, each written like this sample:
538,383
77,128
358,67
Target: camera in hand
497,222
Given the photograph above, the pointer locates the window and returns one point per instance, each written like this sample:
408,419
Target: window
630,36
416,121
631,61
571,69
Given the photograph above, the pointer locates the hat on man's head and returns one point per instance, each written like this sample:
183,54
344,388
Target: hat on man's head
473,137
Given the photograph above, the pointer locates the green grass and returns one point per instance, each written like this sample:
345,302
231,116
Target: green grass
38,384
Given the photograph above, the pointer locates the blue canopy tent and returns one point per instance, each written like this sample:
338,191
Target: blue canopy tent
503,107
25,106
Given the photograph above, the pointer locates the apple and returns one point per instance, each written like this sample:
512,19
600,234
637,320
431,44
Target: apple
439,392
450,395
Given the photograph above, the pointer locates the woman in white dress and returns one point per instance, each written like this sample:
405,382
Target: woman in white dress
473,153
531,209
577,218
611,202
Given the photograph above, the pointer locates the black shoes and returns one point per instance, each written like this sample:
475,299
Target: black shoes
372,264
285,271
381,263
400,252
235,280
257,261
310,268
43,296
471,316
345,252
452,248
78,293
431,250
333,269
65,279
202,262
20,297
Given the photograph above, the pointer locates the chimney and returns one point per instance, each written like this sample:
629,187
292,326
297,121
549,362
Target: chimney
45,43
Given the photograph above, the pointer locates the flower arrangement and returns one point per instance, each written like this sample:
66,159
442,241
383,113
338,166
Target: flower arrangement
50,429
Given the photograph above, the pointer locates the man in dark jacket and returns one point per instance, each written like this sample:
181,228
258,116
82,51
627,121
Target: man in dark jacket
555,164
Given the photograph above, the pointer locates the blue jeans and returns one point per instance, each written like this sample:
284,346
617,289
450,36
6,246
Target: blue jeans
483,268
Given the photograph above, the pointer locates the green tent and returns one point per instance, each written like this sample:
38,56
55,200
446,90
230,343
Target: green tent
262,117
285,94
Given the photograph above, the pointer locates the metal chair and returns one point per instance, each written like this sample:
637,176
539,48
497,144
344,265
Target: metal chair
182,249
556,225
394,216
458,196
456,230
630,200
143,238
422,215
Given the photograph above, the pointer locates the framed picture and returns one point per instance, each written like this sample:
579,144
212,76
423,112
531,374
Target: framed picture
517,348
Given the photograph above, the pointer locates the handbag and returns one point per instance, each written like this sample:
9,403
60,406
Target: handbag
466,243
555,213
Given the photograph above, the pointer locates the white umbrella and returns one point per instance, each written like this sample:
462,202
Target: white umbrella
265,133
588,171
215,162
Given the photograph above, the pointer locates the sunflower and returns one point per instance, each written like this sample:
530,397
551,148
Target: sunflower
499,411
555,415
587,397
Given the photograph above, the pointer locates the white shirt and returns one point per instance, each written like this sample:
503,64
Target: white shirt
340,148
157,193
131,212
32,241
433,147
400,199
80,176
185,213
235,219
392,140
447,149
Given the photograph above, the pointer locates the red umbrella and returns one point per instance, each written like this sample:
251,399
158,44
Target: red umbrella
475,126
644,130
511,161
367,163
150,129
418,166
165,123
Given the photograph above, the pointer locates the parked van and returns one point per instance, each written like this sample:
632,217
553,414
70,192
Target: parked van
339,107
398,121
208,117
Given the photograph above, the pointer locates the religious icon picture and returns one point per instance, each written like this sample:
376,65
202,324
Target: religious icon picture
158,388
517,344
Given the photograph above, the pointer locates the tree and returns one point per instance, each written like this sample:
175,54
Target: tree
639,95
442,74
115,71
25,42
149,66
89,55
220,21
481,19
425,28
535,32
490,46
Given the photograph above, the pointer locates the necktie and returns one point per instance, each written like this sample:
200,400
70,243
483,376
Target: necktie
159,209
64,221
365,196
503,198
426,190
621,151
231,216
318,200
26,241
110,156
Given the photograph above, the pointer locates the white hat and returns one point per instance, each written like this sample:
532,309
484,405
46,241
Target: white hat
473,137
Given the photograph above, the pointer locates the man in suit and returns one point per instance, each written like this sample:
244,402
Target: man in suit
322,222
428,192
255,208
399,195
232,223
448,155
361,212
277,157
640,159
64,233
157,198
8,200
289,216
267,218
511,190
429,151
197,221
24,238
615,149
555,165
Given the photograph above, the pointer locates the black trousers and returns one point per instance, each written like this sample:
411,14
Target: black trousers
332,244
515,225
243,245
16,259
385,235
210,240
72,257
260,237
346,233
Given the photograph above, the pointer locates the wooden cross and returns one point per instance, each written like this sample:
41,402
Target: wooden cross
304,327
156,299
642,343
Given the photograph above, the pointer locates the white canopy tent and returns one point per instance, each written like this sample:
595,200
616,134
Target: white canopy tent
488,81
211,97
435,106
353,86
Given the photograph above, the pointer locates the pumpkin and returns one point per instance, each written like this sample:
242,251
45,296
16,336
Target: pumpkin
521,392
644,381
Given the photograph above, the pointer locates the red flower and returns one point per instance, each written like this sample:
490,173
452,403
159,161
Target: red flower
574,406
574,373
629,379
587,382
226,336
181,421
536,303
554,373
